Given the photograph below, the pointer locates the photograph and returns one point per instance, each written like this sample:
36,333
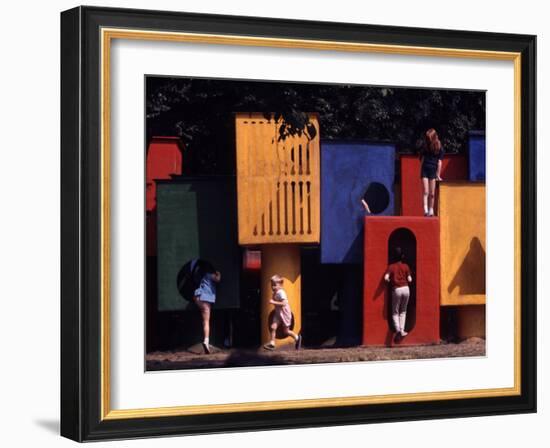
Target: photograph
277,224
311,223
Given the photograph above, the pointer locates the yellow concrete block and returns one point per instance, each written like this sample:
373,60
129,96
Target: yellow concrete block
278,188
284,260
462,241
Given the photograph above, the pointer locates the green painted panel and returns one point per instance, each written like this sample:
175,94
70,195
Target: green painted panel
197,218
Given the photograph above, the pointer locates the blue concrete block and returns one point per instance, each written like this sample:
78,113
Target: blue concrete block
476,156
350,171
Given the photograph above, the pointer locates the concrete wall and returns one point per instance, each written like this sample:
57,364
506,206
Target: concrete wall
376,296
350,171
462,216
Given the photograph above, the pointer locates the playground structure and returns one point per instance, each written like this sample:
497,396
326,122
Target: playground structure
278,203
302,193
418,237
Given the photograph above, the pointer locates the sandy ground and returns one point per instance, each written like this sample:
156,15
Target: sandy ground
194,358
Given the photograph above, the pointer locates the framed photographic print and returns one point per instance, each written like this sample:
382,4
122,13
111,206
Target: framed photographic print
273,223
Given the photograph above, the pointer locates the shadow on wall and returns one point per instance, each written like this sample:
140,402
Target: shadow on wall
470,276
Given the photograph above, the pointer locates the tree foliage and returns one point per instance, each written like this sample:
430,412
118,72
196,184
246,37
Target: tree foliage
201,112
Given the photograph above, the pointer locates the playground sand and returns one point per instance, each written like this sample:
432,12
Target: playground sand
193,358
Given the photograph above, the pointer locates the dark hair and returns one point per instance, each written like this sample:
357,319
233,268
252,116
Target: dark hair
433,145
398,253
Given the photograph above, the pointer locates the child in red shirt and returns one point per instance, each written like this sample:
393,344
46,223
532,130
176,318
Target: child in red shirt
398,274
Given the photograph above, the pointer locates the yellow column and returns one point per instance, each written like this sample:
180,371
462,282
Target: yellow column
470,321
284,260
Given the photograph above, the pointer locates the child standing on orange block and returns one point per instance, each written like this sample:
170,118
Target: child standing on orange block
398,275
282,314
430,170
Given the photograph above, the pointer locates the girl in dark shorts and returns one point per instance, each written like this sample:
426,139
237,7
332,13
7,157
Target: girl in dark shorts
430,170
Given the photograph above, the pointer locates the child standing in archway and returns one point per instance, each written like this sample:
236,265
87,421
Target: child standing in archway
398,275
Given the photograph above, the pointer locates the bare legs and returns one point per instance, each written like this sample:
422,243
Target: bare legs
428,186
286,332
204,308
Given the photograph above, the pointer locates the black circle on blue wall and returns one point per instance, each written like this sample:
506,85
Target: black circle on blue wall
377,197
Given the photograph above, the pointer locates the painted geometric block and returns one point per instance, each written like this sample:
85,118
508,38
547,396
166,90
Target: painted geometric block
277,182
470,321
476,156
252,259
418,237
164,158
453,167
352,171
462,215
196,218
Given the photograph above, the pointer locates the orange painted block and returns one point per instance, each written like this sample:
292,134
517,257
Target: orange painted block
277,183
283,260
470,321
462,216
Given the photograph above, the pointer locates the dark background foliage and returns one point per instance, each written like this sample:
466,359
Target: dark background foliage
201,113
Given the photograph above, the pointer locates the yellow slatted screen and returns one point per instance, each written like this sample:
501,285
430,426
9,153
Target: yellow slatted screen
277,183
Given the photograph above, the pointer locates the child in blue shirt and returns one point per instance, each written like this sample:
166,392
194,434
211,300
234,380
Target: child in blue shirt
204,297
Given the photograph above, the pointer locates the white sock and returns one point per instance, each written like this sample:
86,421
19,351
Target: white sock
425,201
396,323
402,319
206,341
431,211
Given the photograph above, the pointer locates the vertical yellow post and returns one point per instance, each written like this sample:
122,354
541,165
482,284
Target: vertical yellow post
284,260
470,321
278,198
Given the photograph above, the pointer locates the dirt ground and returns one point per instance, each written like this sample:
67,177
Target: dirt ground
194,358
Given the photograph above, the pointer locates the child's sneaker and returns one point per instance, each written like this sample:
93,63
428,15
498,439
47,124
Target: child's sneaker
269,346
298,344
206,348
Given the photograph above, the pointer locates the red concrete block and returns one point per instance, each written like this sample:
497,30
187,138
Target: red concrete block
454,167
419,238
252,260
164,158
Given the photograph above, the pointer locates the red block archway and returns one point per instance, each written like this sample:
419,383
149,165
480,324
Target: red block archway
376,294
